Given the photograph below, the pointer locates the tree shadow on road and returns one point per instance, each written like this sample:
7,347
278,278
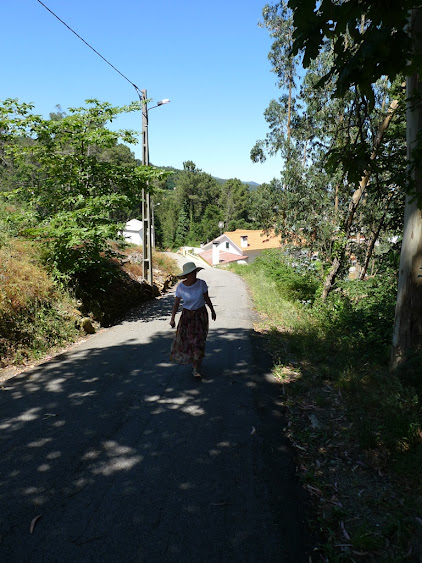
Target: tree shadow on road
126,457
159,309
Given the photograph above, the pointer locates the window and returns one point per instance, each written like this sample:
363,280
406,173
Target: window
227,245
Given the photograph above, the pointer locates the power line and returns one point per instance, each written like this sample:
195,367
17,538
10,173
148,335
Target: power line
92,48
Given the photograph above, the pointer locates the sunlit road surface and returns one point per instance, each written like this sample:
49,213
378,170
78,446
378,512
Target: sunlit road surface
112,453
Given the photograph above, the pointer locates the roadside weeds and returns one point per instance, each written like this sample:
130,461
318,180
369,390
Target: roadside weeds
362,509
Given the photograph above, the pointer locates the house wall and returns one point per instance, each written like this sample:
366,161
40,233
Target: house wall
250,255
232,249
133,237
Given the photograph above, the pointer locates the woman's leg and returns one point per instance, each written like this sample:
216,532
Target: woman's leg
199,341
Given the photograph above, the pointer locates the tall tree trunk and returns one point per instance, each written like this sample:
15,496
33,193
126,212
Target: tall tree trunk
289,111
373,240
305,148
407,336
336,200
354,202
338,260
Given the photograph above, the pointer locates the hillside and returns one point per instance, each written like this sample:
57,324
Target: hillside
252,185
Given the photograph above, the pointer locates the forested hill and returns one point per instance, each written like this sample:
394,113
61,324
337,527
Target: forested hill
252,185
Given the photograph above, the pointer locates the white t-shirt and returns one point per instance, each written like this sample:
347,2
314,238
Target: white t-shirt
192,295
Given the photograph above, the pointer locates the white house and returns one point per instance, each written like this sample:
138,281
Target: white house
241,246
133,232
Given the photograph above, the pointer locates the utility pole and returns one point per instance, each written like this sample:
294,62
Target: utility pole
146,199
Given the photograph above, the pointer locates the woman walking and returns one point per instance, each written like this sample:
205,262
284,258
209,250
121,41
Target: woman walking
192,329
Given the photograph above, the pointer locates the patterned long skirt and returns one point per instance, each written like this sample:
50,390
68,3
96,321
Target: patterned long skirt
189,343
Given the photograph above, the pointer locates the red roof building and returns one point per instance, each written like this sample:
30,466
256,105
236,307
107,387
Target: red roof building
241,246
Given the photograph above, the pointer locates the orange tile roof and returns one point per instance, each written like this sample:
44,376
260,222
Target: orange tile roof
257,240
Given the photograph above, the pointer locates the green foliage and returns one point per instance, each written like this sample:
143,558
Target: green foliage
383,49
166,219
190,213
208,228
107,292
348,337
76,181
182,230
37,315
266,203
344,344
328,144
358,315
234,202
295,277
366,308
5,231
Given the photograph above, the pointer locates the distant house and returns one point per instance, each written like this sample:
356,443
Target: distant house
133,231
241,246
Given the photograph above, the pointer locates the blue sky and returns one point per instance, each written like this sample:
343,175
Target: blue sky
208,57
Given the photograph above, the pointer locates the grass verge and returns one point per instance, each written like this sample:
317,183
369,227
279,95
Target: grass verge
355,426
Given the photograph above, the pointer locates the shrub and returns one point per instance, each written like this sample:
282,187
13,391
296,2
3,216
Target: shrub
295,276
34,315
360,314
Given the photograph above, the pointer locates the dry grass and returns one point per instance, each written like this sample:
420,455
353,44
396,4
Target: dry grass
162,264
23,280
34,315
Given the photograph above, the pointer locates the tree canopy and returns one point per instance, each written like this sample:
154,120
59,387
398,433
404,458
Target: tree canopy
72,177
350,124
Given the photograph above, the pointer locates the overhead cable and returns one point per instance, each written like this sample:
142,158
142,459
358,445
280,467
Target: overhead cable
90,46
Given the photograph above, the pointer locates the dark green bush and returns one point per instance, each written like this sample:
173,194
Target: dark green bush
360,313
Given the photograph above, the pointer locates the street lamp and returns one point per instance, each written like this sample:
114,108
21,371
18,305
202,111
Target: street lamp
146,196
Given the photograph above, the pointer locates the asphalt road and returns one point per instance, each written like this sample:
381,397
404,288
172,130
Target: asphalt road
125,457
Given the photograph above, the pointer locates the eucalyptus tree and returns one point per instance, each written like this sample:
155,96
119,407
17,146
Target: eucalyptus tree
301,124
360,157
355,150
278,20
373,41
326,151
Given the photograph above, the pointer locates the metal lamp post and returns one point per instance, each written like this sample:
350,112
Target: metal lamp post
146,196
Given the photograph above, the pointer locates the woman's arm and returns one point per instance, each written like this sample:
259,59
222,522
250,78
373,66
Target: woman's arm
208,302
174,311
